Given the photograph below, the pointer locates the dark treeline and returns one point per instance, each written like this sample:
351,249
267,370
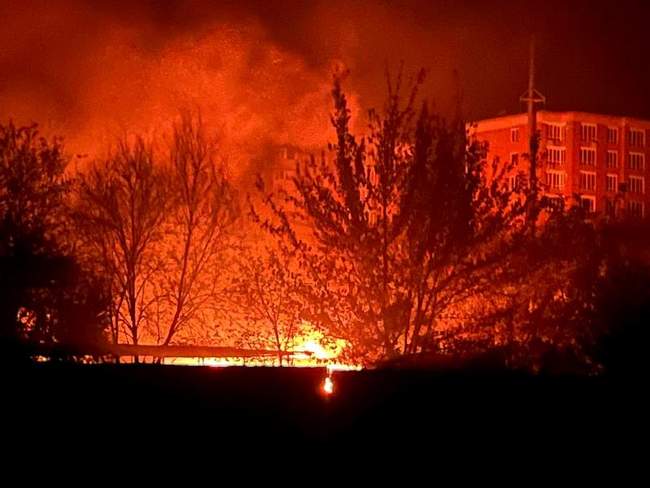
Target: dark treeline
406,243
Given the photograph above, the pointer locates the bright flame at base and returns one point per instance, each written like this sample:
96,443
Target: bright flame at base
309,349
328,386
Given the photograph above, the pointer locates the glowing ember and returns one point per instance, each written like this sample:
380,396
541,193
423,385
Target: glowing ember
328,386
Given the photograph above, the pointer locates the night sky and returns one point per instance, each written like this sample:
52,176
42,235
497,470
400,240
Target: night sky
261,70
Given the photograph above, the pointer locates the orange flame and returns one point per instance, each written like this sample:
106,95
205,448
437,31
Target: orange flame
328,386
309,349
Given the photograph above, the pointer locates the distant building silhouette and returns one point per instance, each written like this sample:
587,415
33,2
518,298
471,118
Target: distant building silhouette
285,160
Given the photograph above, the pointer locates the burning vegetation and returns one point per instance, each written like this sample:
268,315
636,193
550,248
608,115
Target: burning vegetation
402,243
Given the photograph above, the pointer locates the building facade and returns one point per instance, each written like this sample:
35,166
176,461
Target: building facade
597,161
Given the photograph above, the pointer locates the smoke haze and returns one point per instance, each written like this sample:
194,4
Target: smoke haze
261,72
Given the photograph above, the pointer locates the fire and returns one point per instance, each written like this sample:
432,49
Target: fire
313,348
328,386
309,349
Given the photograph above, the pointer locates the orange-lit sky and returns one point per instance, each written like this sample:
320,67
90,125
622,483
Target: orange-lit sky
260,70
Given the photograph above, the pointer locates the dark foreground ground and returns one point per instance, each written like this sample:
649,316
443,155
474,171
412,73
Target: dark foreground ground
276,406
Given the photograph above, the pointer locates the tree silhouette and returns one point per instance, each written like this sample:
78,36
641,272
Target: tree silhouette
399,231
203,209
538,309
266,291
157,223
616,307
46,296
121,204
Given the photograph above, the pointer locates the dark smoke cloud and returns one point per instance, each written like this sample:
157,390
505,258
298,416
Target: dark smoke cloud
260,71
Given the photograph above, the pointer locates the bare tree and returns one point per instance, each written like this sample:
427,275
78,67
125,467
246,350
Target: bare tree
204,211
122,202
266,291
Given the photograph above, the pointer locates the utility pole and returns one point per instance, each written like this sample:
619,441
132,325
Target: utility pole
532,97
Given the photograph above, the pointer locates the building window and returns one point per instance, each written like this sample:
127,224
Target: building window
588,156
588,132
612,183
555,180
512,183
635,209
587,181
636,137
636,161
514,134
612,135
555,202
636,184
588,203
554,132
610,207
612,159
555,155
514,159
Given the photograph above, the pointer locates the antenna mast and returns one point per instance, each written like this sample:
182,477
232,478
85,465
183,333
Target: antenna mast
532,97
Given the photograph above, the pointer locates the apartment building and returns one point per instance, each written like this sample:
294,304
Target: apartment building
598,161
